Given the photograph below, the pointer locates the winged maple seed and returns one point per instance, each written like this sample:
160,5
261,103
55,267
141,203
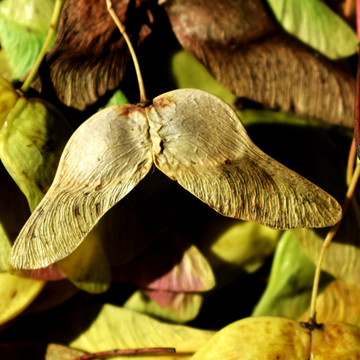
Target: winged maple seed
194,138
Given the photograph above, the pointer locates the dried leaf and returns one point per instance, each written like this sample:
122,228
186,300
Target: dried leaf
194,138
168,305
314,23
118,328
247,51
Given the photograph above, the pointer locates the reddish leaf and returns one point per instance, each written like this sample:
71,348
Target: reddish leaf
249,53
49,273
175,265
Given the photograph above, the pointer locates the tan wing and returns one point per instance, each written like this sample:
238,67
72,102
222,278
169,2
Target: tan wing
103,161
199,141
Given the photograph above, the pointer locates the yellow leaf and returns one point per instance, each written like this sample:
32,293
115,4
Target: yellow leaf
16,294
118,328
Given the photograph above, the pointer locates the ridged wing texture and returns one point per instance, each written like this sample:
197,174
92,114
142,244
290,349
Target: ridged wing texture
247,51
102,162
199,141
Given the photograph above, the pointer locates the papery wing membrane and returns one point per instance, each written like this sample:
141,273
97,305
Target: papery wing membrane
199,141
102,162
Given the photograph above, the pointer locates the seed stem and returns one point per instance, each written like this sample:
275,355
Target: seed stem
52,30
122,30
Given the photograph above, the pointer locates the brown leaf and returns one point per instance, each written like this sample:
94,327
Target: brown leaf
248,52
90,56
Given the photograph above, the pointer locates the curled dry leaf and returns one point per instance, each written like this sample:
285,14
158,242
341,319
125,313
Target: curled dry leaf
253,57
195,139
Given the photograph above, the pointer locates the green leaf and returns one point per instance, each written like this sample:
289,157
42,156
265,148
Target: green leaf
32,138
117,98
24,25
118,328
190,73
314,23
342,258
289,288
168,305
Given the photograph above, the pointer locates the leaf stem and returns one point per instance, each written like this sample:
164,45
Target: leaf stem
109,353
330,235
347,8
121,28
52,30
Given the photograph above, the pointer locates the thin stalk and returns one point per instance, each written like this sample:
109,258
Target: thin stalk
349,174
330,235
357,12
52,30
351,162
106,354
347,8
121,28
